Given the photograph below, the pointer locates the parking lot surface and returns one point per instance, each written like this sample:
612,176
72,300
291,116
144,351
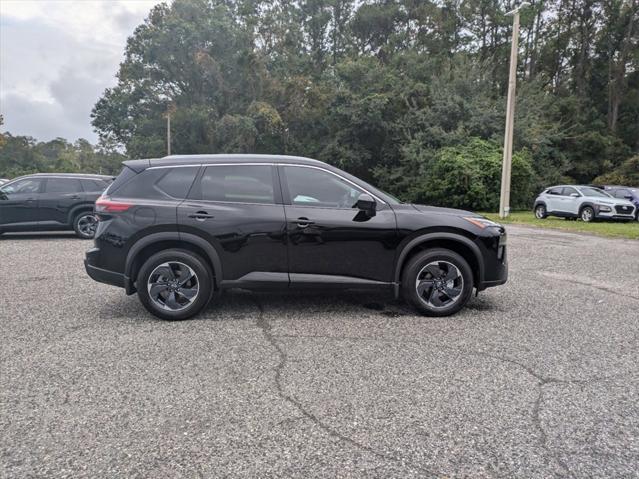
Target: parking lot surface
538,378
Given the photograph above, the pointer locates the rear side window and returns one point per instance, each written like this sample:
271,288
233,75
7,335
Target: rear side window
554,191
160,184
125,175
63,185
238,184
94,185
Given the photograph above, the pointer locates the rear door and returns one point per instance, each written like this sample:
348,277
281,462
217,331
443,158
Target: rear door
238,209
59,196
19,202
553,199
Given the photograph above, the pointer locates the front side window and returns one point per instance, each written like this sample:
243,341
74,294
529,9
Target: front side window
315,187
28,185
236,184
569,191
595,192
621,194
63,185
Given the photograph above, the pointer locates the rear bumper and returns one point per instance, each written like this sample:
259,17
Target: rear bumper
105,276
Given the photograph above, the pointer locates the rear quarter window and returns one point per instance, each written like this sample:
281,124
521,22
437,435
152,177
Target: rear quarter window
160,184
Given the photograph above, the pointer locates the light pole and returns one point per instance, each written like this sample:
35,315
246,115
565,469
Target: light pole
504,199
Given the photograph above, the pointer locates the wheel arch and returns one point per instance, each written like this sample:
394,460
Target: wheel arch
446,240
153,243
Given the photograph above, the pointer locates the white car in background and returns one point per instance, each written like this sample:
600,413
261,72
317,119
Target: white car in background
585,202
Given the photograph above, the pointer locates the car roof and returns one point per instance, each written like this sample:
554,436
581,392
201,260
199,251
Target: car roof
175,160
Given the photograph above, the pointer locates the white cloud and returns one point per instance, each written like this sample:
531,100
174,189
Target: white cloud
56,59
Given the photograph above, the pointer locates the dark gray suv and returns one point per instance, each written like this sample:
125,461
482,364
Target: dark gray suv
51,201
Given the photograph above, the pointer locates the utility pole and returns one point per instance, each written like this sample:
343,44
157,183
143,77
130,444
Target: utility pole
168,132
504,199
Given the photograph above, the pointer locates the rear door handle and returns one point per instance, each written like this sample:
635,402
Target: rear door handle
201,215
304,222
75,197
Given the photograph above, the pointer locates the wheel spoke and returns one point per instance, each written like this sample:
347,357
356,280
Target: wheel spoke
165,272
452,293
171,301
157,288
423,285
435,298
435,271
188,293
451,274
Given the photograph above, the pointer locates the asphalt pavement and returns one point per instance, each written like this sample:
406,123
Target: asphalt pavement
537,379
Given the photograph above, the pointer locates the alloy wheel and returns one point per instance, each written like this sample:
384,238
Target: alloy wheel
173,286
586,215
87,225
439,284
540,212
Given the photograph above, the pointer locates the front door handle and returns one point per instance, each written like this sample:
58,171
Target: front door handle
304,222
75,197
201,215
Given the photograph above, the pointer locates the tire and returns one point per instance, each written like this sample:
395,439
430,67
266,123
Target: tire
84,225
540,212
587,214
422,284
172,299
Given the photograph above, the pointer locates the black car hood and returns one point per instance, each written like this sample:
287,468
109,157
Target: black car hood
444,211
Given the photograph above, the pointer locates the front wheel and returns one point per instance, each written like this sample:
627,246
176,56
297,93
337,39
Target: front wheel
85,224
437,282
587,214
175,284
540,212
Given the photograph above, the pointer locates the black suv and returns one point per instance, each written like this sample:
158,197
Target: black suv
51,201
179,228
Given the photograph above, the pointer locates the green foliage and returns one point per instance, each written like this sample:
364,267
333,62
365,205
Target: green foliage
468,175
627,174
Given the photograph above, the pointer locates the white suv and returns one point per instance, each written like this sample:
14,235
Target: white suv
585,202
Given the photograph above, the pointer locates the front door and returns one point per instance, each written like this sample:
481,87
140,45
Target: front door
330,241
238,209
19,203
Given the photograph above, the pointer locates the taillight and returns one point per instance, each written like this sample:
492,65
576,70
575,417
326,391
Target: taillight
104,204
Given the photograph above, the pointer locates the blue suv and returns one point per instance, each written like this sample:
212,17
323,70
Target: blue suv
625,193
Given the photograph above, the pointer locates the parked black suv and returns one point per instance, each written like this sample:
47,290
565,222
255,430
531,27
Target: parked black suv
51,201
179,228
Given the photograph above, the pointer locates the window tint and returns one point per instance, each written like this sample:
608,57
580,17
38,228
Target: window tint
554,191
241,184
594,192
313,187
621,194
94,185
569,191
28,185
125,175
160,184
63,185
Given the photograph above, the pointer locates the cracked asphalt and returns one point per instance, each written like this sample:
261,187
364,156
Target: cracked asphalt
536,379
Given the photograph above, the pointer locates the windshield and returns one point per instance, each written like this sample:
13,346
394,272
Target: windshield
594,192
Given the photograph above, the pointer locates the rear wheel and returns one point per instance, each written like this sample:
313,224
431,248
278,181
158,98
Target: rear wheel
85,224
437,282
587,214
175,284
540,212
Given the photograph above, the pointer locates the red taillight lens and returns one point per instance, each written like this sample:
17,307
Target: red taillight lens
107,205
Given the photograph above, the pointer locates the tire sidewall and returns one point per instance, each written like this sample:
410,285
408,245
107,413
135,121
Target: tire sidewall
76,227
199,266
412,269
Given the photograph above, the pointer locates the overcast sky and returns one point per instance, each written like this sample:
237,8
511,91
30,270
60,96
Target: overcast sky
56,59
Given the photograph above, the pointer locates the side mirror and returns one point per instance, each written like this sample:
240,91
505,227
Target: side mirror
367,204
574,195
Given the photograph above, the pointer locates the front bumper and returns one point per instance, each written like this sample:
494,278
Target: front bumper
615,214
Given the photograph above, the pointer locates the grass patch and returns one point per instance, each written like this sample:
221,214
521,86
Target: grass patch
615,229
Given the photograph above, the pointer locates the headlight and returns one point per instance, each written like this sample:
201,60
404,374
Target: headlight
605,209
481,222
